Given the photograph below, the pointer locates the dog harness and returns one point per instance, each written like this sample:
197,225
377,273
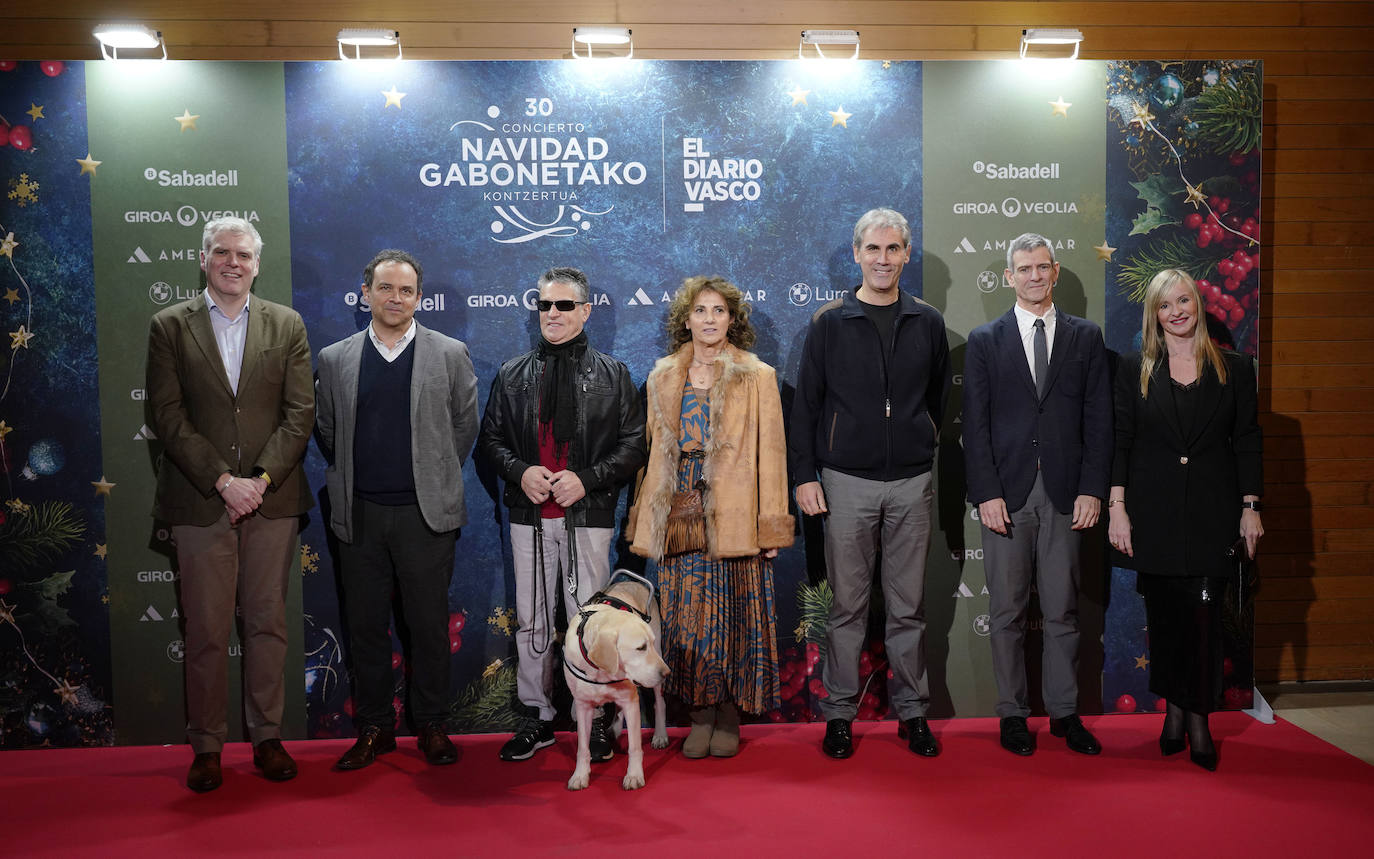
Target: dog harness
583,615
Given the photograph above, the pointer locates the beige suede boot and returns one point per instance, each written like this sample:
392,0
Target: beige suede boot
725,738
698,742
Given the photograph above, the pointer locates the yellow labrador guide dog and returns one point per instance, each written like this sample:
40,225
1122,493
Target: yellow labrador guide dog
612,645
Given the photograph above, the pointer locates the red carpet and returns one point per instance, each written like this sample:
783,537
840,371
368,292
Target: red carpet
1279,791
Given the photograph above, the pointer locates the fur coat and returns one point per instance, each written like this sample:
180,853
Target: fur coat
745,464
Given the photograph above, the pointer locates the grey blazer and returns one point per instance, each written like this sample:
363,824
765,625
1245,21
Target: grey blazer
443,421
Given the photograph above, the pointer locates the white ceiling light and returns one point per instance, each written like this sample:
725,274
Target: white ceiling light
599,35
113,37
1047,36
816,38
359,38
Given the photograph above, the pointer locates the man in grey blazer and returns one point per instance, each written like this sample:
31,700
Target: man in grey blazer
229,390
396,420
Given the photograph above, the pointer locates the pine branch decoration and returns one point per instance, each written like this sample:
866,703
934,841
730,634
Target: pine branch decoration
1153,258
39,536
814,602
1228,114
488,703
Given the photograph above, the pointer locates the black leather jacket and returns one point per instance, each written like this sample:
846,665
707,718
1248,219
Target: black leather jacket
607,452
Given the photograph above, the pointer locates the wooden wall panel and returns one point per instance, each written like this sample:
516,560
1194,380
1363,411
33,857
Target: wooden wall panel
1316,607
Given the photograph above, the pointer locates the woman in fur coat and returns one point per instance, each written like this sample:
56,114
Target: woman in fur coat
711,509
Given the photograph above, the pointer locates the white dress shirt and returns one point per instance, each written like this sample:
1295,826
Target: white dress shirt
387,352
230,335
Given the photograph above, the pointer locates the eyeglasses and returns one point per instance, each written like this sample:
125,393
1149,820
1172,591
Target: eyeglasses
565,305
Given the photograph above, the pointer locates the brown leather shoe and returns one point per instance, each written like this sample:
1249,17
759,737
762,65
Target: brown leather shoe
438,748
372,741
204,774
270,757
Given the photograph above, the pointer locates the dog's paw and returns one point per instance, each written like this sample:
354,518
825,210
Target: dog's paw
632,781
579,781
660,741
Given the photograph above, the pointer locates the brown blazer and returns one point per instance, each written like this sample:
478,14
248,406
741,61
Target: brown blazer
206,430
745,466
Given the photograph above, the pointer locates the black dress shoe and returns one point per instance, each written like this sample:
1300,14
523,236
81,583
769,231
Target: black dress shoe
372,741
270,757
1079,738
919,738
1016,737
1206,760
437,747
839,740
601,746
204,774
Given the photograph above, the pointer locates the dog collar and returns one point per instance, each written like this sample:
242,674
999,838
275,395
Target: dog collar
602,598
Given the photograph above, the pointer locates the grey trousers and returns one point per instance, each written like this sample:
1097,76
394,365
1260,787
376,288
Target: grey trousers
222,566
535,598
864,514
1042,544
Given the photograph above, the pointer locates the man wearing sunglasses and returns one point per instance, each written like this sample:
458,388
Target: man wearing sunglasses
564,427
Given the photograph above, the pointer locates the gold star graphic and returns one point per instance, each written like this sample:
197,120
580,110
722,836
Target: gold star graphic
88,164
5,430
839,117
1104,252
67,692
1195,195
1141,661
35,111
105,598
103,486
11,294
1061,107
7,247
1141,114
101,551
799,96
17,506
393,97
20,339
187,120
6,612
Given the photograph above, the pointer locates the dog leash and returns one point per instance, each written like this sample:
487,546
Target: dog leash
541,574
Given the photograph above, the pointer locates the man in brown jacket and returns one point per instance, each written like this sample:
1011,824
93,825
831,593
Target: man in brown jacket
232,400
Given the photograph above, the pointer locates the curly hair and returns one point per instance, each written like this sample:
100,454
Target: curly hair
741,332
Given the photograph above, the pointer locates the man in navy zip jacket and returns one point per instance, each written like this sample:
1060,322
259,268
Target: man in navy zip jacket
870,397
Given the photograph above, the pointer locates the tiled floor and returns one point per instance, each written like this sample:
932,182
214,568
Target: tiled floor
1342,717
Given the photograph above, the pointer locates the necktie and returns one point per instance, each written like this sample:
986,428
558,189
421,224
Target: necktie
1042,357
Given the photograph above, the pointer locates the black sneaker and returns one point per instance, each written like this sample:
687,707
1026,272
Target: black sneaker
532,735
602,743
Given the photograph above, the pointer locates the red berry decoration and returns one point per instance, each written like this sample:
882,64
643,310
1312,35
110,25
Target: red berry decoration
21,137
456,622
5,586
817,687
8,65
1125,704
396,660
348,707
1161,705
4,141
455,643
52,68
1193,220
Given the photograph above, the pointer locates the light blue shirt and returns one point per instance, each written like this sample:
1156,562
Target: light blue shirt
230,335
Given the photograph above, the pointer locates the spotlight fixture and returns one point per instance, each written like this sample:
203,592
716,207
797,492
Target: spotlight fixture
816,38
361,38
1044,36
598,35
113,37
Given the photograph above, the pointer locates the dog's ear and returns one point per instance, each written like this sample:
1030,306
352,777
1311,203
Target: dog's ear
604,650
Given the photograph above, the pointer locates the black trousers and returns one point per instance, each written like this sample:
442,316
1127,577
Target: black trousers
1184,615
393,545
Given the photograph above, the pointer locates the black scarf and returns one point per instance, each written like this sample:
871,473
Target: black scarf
558,387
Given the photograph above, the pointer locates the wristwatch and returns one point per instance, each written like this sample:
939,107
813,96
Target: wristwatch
1252,505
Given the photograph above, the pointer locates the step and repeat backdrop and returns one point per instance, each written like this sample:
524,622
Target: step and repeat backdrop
641,173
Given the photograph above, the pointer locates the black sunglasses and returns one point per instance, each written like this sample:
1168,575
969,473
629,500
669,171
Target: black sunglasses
566,305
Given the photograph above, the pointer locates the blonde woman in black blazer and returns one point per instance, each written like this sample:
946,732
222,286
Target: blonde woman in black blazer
1186,482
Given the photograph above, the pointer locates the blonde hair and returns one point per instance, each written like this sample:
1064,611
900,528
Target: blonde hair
1152,348
740,334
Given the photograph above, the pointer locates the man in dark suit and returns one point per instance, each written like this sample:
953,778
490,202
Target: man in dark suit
397,418
232,403
1037,448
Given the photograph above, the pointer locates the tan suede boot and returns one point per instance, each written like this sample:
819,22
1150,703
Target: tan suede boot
698,742
725,738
